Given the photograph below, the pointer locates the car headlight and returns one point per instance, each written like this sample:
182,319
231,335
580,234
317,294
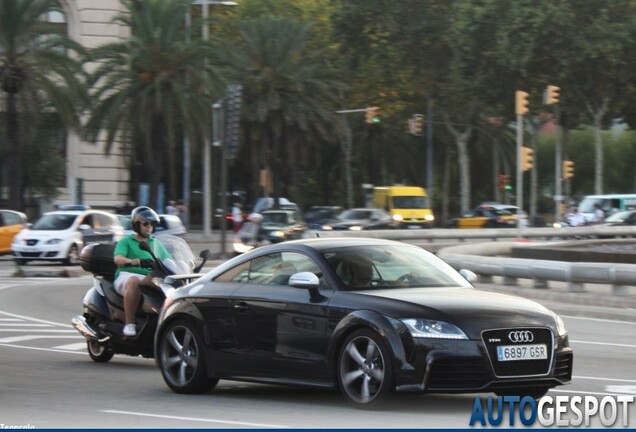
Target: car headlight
54,241
429,218
398,218
355,228
278,233
327,228
423,328
560,326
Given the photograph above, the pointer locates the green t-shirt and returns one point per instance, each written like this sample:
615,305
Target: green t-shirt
129,247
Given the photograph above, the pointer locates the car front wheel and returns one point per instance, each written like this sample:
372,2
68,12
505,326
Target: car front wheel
73,255
182,359
365,369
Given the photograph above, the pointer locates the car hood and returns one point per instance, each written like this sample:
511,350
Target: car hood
472,310
42,235
351,222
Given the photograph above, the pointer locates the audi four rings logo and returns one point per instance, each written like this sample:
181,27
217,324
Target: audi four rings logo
521,336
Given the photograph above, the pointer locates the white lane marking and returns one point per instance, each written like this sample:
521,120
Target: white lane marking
22,324
42,349
204,420
598,319
37,330
603,379
33,337
585,392
600,343
73,347
10,320
630,390
27,318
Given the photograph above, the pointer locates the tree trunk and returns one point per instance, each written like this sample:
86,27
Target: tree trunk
14,153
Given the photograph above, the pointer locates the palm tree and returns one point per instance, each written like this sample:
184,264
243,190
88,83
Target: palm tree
290,94
152,86
39,70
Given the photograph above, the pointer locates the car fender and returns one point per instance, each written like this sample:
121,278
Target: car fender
376,322
179,310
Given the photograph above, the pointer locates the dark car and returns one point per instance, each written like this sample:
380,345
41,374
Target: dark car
486,216
281,225
358,219
316,217
621,218
367,316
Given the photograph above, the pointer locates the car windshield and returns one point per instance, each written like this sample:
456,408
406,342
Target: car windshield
391,267
54,222
410,202
275,219
588,203
125,222
355,215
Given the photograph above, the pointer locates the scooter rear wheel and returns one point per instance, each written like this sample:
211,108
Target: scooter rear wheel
98,352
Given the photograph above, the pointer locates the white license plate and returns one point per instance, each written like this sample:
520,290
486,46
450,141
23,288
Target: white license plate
522,352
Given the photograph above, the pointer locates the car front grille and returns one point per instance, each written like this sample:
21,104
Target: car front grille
518,368
31,242
29,254
563,369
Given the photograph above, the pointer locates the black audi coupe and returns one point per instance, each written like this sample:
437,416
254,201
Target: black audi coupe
366,316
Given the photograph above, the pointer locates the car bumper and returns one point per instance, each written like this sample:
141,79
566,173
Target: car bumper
467,366
40,252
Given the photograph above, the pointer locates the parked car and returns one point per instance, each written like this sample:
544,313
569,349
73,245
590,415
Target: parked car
485,216
11,223
358,219
318,216
366,316
169,224
621,218
280,225
509,208
60,235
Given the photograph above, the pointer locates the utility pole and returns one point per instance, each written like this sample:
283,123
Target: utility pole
521,108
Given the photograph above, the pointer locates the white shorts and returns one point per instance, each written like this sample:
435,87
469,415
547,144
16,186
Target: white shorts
120,282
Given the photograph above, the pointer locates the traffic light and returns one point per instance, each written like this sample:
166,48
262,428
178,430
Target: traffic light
418,120
372,115
521,102
504,182
568,169
552,95
527,158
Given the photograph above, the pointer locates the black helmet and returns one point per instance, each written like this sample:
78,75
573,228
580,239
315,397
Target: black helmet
143,214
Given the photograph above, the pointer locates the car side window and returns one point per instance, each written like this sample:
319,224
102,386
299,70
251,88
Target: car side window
277,268
104,221
239,274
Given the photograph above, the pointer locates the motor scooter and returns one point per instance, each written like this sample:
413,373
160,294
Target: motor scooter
102,322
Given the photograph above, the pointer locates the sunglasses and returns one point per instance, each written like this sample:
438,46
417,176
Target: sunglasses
147,224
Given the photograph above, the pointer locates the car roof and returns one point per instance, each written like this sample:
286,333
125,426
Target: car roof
323,243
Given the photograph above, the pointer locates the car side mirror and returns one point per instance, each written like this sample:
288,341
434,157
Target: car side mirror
84,227
304,280
468,275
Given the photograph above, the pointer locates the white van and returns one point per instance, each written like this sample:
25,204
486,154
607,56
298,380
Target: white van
610,204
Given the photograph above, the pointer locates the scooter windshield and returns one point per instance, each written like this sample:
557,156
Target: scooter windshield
182,260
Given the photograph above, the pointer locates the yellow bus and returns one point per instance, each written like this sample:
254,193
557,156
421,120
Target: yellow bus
409,205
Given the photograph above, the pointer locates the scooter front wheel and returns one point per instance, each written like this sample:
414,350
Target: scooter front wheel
99,352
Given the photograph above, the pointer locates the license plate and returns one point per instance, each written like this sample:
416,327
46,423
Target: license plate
522,352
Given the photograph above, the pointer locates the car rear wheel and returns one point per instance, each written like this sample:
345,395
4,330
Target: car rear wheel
182,359
365,369
98,352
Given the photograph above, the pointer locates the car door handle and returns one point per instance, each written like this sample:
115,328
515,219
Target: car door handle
241,307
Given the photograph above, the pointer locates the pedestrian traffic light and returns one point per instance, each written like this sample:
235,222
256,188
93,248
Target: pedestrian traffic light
527,158
372,115
568,169
418,124
521,102
552,95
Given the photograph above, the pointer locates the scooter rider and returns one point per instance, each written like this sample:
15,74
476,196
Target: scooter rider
134,265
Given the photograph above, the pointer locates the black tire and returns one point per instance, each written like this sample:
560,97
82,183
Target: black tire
365,369
73,255
182,359
534,392
98,352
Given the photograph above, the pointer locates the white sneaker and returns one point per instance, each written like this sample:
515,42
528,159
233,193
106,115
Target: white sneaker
130,330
